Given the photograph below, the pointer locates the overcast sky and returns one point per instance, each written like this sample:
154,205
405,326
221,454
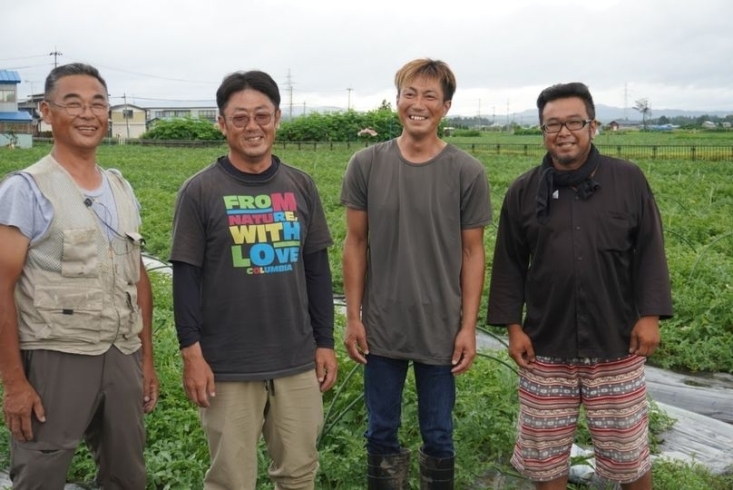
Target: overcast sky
677,54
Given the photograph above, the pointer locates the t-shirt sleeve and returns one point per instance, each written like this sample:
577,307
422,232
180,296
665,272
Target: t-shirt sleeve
354,185
319,236
188,235
476,202
23,206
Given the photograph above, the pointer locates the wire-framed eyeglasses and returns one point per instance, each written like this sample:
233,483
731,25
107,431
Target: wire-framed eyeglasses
77,108
571,124
242,120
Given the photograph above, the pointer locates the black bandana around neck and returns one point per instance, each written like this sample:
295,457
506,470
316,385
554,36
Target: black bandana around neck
550,179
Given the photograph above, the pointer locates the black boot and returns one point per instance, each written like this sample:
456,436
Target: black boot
388,471
436,473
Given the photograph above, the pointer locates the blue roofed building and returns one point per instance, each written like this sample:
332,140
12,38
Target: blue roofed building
16,127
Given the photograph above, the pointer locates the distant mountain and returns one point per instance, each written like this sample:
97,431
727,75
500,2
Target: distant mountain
606,114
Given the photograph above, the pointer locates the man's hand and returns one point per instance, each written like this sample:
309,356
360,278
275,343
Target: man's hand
520,347
198,379
464,350
150,386
355,341
20,400
326,368
645,336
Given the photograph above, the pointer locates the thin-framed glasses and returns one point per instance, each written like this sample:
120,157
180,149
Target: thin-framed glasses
77,108
242,120
571,124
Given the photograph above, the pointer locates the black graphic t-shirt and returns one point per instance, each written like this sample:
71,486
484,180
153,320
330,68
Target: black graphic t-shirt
248,236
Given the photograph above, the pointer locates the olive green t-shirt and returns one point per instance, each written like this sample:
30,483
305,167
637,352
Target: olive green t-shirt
412,300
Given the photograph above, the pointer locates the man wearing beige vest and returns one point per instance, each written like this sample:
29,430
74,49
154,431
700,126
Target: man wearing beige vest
76,356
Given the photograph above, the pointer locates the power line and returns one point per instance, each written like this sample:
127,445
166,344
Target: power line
24,57
98,65
27,66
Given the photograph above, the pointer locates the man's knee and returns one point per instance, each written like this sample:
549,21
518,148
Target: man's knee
39,469
301,478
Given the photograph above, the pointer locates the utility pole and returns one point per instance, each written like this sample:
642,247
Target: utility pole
348,103
127,115
626,100
289,84
479,114
507,114
55,53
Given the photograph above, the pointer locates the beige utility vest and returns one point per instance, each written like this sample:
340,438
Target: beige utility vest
77,292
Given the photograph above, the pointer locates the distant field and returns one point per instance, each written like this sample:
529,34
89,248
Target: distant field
696,201
677,137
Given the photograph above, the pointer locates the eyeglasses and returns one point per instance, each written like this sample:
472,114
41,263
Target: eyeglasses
242,120
572,125
77,108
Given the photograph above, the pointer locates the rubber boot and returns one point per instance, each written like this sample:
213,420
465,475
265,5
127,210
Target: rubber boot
388,471
436,473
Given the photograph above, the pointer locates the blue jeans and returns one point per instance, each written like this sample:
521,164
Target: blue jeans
384,380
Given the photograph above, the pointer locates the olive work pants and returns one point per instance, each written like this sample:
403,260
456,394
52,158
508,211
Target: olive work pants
95,398
287,412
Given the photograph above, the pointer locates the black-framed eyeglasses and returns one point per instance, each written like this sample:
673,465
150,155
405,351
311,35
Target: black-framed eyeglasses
77,108
242,120
571,124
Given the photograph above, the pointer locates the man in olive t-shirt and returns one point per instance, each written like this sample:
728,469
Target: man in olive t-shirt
413,264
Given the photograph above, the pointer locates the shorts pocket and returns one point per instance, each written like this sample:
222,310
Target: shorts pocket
69,314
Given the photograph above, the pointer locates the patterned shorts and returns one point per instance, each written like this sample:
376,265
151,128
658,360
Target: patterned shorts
614,396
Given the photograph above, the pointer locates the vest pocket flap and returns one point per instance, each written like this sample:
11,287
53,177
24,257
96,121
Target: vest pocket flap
68,299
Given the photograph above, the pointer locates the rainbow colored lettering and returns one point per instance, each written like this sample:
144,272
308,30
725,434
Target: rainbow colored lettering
265,231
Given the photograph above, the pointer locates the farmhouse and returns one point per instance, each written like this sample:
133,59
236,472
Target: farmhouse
16,126
171,109
127,121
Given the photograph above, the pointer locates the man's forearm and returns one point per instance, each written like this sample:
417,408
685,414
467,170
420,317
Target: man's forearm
11,366
145,302
473,271
354,265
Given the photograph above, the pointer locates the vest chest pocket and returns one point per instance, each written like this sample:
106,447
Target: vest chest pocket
68,314
79,256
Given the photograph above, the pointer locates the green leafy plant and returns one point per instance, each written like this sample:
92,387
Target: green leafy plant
186,129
